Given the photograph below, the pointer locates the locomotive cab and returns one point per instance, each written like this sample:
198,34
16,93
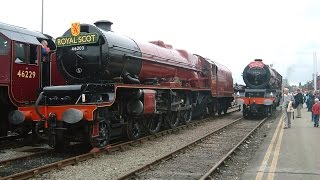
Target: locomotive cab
20,71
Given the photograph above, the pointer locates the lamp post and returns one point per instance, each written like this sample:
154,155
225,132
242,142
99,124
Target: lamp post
315,70
42,17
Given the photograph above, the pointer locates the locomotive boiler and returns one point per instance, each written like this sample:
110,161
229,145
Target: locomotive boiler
258,75
121,87
263,89
115,56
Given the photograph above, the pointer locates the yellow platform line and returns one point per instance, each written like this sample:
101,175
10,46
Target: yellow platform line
275,157
268,153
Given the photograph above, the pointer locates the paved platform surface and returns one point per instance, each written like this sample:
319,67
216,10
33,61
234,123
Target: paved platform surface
288,154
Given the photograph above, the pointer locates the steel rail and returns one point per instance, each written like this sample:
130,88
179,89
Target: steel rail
218,164
172,154
8,141
8,161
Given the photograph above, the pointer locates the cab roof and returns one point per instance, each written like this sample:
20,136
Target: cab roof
21,34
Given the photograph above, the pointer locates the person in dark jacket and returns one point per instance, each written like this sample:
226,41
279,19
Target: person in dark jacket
310,100
298,99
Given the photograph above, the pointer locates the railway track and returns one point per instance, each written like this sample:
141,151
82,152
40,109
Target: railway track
26,157
192,160
17,141
94,153
215,167
9,141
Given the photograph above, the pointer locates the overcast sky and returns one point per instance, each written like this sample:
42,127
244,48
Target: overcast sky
284,33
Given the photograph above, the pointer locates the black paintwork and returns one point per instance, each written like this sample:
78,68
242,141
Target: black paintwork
102,61
265,77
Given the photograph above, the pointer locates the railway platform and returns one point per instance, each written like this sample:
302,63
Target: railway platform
292,153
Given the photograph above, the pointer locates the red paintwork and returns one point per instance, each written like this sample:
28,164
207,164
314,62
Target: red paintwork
24,89
258,64
149,104
5,65
58,110
183,68
95,130
255,100
225,81
165,68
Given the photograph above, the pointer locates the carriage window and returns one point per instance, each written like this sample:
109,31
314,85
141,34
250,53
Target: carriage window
4,46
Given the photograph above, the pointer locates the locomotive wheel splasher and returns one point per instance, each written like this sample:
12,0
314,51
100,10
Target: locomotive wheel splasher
100,130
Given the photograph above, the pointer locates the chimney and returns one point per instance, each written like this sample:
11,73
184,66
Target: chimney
104,24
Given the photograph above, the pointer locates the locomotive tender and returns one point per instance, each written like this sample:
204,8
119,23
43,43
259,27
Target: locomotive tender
118,86
263,89
21,75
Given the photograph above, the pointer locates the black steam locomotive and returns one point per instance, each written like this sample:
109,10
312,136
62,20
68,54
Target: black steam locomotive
263,89
120,87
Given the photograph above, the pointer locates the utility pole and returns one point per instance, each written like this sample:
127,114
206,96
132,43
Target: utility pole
42,17
315,70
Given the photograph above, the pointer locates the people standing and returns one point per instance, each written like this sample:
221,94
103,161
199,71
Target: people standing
316,112
44,48
288,100
310,101
298,98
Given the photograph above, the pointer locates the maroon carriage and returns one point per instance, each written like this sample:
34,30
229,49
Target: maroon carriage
21,77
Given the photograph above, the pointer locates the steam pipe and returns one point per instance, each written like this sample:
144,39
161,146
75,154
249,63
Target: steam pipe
37,106
131,79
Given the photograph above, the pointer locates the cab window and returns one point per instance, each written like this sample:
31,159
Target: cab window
20,53
25,53
214,70
4,46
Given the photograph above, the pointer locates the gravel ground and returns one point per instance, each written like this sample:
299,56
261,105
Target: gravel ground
22,151
118,163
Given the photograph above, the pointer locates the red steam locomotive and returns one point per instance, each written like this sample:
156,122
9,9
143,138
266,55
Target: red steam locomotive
118,86
263,89
21,74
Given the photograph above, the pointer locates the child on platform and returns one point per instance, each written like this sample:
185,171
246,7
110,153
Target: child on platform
316,112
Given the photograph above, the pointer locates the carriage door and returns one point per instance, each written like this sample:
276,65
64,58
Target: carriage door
214,80
4,60
25,71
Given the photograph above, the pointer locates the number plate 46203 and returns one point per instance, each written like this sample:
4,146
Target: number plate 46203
78,48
